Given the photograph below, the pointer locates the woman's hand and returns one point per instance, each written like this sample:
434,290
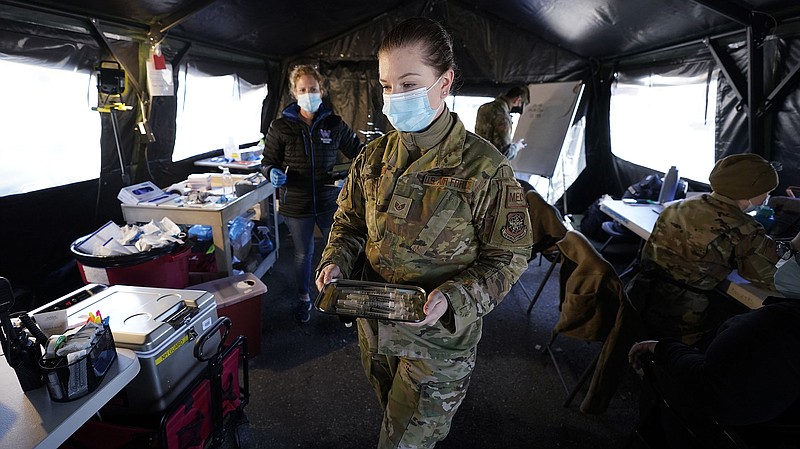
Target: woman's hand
277,177
434,308
326,275
638,349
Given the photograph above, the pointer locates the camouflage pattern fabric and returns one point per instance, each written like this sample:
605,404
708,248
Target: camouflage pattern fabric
669,311
454,219
493,123
698,242
421,406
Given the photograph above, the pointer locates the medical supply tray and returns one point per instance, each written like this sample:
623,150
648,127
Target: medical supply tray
67,381
362,299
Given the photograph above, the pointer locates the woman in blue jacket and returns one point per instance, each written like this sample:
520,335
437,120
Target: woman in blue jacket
301,148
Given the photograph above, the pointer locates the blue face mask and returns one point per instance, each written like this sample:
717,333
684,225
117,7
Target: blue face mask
753,207
410,111
310,101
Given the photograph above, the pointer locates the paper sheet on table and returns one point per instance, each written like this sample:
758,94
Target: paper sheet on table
112,240
98,238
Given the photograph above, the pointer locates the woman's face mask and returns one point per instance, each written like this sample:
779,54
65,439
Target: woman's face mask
753,207
410,111
308,93
310,101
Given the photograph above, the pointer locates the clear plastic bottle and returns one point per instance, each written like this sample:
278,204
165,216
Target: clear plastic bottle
230,150
227,183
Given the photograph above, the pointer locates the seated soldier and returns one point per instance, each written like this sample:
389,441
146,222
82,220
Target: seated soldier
695,245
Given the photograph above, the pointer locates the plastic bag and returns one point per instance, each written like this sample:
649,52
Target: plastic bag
201,232
240,232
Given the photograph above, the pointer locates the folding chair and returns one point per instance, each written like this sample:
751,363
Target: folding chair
593,308
671,418
548,227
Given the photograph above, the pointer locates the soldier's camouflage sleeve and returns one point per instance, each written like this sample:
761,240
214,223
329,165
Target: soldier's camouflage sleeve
349,230
756,256
504,249
494,124
700,240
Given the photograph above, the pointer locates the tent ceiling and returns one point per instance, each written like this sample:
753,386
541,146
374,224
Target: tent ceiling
588,28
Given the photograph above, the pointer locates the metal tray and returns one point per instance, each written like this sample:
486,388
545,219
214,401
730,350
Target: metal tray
374,300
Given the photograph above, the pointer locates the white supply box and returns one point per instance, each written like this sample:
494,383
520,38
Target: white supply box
144,192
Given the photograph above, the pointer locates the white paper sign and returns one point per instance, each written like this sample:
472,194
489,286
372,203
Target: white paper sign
159,81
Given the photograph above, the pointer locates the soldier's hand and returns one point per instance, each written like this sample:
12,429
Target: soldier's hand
434,308
326,275
515,147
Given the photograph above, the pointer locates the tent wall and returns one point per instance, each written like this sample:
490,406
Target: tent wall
784,142
497,44
491,55
42,240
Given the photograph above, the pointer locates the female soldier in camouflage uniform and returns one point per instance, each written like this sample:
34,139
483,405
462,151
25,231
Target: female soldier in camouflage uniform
434,206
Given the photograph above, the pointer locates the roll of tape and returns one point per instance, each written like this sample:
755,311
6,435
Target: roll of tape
53,343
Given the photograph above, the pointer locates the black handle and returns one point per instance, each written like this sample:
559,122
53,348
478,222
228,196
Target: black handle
33,328
201,341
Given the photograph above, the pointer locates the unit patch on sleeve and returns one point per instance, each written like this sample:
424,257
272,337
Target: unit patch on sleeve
514,229
399,206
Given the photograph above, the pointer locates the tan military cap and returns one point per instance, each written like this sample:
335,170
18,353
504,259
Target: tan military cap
743,176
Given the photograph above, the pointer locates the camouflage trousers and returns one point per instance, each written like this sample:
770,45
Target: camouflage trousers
419,397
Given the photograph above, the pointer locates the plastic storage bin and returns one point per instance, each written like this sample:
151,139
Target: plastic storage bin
166,267
239,298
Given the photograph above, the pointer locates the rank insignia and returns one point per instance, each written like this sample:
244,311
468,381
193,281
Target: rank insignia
399,206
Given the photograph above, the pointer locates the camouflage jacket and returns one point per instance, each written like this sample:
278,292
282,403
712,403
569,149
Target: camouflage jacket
453,219
493,123
699,241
